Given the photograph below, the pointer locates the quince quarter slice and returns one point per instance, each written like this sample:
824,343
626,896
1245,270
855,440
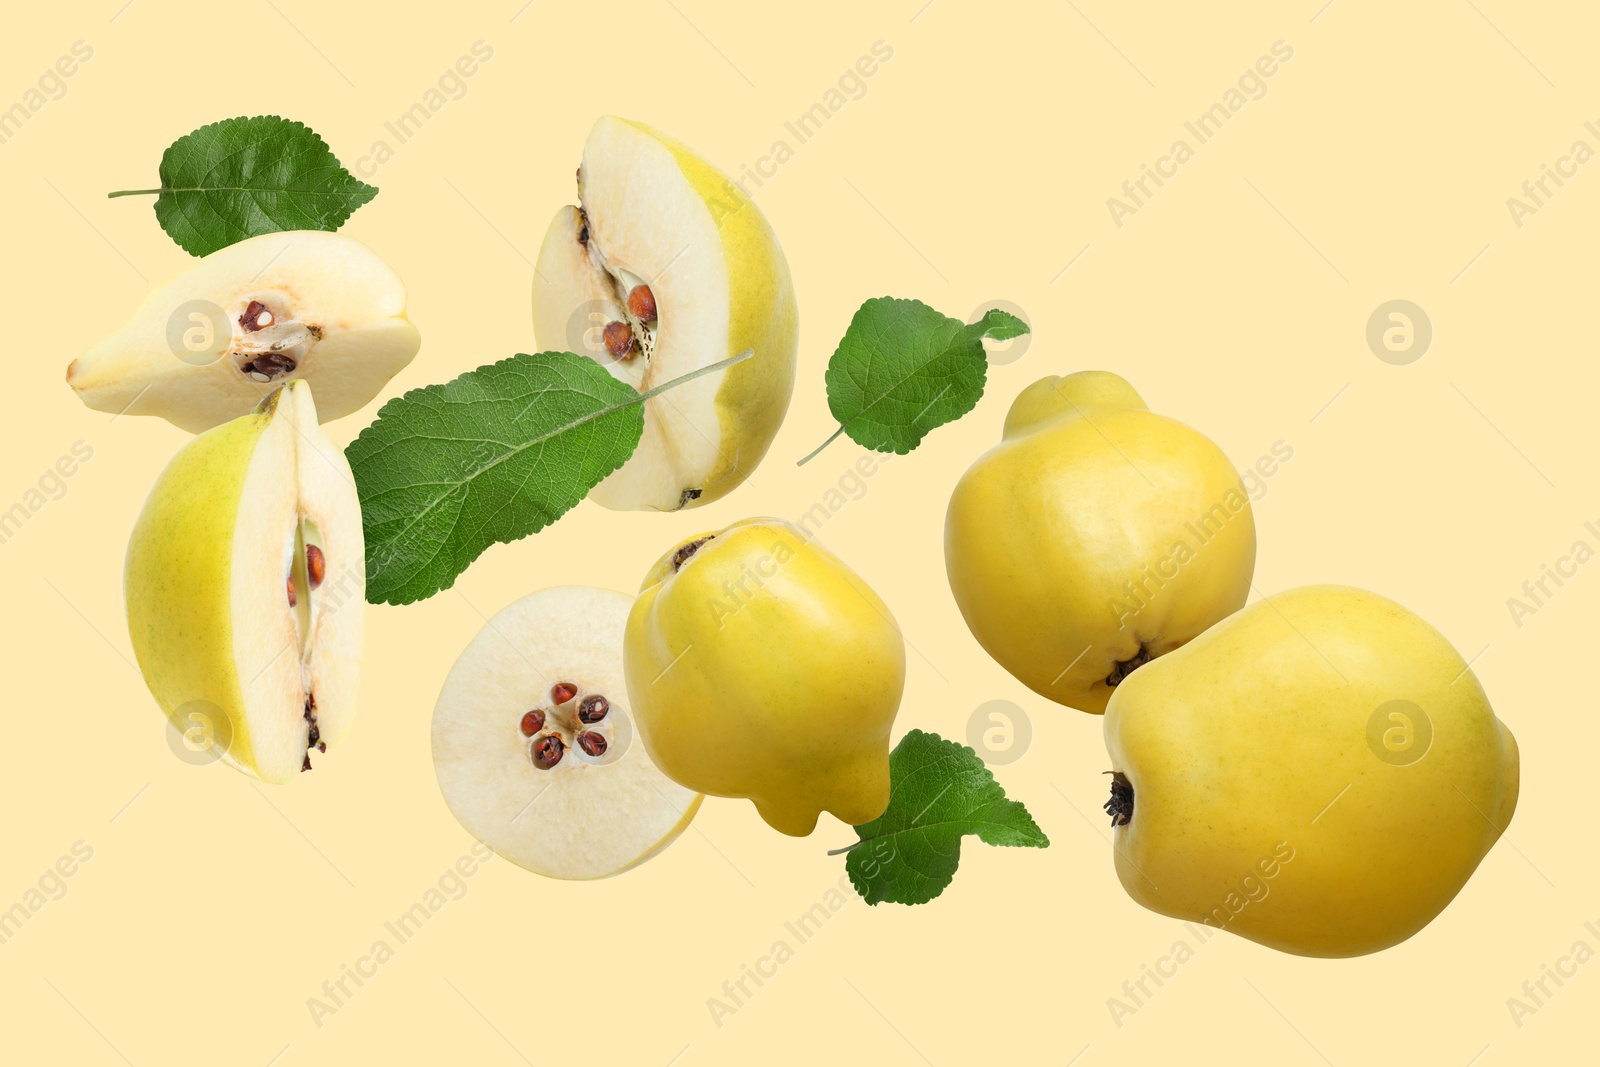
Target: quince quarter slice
206,346
246,582
665,268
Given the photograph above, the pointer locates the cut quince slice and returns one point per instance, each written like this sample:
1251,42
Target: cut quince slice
246,581
535,747
665,268
206,346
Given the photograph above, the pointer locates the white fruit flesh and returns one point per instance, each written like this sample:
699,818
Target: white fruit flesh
655,214
586,817
207,581
330,312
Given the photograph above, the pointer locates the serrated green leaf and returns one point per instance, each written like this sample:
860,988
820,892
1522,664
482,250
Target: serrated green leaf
999,325
244,177
495,455
492,456
939,792
903,369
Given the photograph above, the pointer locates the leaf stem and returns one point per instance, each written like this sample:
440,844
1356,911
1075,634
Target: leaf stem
847,848
813,455
133,192
692,375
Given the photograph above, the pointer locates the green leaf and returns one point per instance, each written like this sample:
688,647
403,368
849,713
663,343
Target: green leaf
495,455
939,792
244,177
903,369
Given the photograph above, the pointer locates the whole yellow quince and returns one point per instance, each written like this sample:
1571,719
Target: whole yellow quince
761,666
1320,773
1096,536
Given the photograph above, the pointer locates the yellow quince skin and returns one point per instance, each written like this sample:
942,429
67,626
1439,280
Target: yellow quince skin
1096,536
761,666
1320,773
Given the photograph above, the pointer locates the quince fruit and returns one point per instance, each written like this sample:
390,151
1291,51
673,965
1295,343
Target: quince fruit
667,267
761,666
1096,536
206,346
535,745
245,582
1320,773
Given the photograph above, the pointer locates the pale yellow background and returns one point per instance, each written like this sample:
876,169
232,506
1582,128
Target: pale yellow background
976,166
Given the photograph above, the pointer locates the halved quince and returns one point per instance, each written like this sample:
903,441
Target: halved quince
667,267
